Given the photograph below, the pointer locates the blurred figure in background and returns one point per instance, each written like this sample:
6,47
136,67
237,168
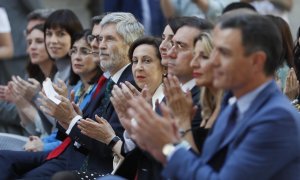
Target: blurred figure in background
285,75
207,9
6,44
17,11
279,8
148,12
9,119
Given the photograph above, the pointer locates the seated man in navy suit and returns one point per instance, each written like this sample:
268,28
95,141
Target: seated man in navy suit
257,134
118,31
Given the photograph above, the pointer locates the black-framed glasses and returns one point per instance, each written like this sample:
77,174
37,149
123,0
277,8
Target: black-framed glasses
91,38
82,51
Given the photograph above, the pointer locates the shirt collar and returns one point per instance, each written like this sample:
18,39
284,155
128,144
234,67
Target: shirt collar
106,74
188,85
244,102
118,74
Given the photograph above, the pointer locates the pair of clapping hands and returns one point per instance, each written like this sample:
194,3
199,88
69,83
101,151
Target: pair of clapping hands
149,130
64,110
100,129
291,88
54,102
18,89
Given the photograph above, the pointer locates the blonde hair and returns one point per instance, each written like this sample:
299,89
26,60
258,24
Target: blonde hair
206,41
210,101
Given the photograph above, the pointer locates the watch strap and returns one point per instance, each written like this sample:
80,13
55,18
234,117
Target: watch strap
113,142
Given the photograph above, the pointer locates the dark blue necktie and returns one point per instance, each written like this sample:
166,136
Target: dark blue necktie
231,121
222,128
213,151
107,93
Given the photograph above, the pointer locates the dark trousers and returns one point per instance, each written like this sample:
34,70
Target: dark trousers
32,165
14,164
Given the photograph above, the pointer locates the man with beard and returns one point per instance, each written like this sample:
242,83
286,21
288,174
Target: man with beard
79,152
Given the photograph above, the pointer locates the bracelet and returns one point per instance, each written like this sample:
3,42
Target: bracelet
184,132
113,142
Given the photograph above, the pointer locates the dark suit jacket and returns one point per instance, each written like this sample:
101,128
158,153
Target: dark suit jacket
100,156
263,145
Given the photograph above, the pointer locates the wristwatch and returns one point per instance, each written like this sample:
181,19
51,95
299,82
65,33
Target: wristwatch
168,149
113,142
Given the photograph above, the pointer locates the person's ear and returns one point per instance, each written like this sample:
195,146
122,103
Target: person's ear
259,59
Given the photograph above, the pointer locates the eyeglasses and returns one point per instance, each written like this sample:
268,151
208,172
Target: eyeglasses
82,51
91,38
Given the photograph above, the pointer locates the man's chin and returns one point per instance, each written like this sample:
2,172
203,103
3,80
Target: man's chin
105,65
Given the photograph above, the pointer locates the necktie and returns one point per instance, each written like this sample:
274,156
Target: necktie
59,149
231,122
101,82
213,144
221,129
103,106
108,88
105,101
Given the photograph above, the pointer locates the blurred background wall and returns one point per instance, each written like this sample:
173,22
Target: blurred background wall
80,7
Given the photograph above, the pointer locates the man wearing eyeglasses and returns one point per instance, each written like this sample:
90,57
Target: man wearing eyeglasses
87,154
94,38
179,58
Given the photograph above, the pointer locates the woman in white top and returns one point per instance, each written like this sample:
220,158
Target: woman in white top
6,44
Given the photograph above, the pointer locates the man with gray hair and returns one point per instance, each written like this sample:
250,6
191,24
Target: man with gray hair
79,152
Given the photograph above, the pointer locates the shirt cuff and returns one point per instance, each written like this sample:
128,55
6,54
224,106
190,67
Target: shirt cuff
182,144
129,145
72,124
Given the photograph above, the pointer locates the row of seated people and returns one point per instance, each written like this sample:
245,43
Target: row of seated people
121,98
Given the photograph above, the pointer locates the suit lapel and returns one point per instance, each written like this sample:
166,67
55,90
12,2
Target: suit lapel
125,76
257,103
213,141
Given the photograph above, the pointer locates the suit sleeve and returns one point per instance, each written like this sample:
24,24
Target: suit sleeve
259,153
90,143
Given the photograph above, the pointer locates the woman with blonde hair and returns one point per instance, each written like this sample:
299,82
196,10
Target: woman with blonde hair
210,97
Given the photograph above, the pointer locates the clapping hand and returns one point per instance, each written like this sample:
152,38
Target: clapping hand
34,144
151,131
5,94
100,130
119,99
64,112
27,89
11,93
291,89
180,103
61,88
